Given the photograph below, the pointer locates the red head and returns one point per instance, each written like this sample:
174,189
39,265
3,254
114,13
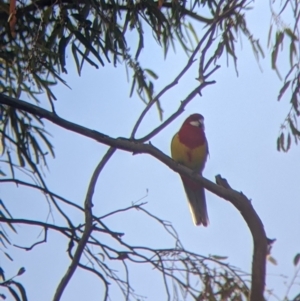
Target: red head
196,120
192,131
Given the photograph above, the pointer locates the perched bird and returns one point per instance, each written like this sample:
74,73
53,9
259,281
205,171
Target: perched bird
189,147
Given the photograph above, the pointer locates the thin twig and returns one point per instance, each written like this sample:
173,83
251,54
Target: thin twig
172,84
44,240
63,230
237,199
179,111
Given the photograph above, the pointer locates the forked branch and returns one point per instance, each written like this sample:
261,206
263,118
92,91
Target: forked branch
221,189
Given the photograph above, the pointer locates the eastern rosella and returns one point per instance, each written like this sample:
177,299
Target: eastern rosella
189,147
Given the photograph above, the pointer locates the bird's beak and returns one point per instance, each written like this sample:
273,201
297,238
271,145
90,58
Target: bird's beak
201,123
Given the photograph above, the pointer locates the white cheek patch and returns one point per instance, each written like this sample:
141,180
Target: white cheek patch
194,123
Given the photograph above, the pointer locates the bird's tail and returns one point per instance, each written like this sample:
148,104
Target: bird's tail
197,204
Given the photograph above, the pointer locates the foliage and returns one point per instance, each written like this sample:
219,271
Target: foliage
35,39
16,289
287,33
33,52
180,270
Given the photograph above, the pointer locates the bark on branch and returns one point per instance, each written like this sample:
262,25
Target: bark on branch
222,189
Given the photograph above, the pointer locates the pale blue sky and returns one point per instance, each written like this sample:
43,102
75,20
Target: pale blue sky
242,120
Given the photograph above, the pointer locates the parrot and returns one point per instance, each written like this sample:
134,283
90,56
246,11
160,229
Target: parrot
189,147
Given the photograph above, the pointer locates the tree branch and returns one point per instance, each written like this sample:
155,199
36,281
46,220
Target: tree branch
106,6
237,199
240,201
9,221
174,82
44,240
180,110
88,226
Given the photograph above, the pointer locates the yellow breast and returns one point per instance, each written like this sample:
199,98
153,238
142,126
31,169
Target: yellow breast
194,158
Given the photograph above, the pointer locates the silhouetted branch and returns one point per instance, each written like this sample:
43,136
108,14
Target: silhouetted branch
63,230
88,226
189,63
243,204
36,243
236,198
106,284
179,111
105,6
138,206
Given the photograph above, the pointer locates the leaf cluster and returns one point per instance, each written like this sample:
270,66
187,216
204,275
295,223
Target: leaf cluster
15,289
35,54
287,34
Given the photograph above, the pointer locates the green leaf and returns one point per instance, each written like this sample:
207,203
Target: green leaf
78,17
294,101
20,157
294,130
296,259
2,242
269,35
36,148
21,271
85,10
132,86
274,59
219,50
8,256
104,50
141,41
6,210
150,90
293,53
191,28
289,32
88,46
46,14
47,142
288,143
56,32
55,74
260,49
283,89
160,110
11,165
85,57
218,257
272,260
279,38
2,234
63,43
280,142
151,73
